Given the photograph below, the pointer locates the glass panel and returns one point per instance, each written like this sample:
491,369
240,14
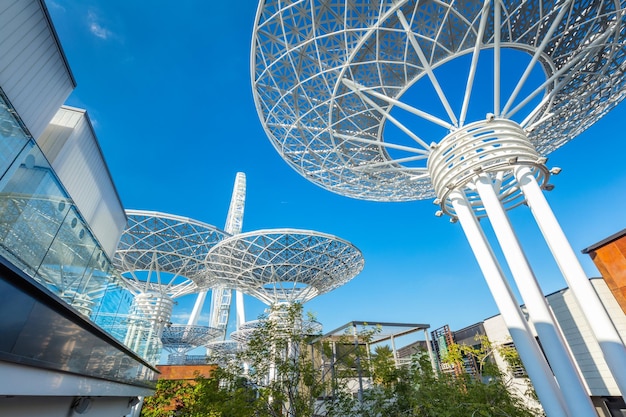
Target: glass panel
42,232
111,312
34,207
12,138
65,267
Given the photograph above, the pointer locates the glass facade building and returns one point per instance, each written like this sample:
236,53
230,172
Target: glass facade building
63,306
43,233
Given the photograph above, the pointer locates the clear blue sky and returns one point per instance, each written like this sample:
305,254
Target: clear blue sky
167,86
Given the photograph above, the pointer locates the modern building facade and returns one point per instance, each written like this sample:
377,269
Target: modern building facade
598,379
61,219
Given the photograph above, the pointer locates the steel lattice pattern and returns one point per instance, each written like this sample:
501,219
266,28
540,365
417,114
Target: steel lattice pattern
327,75
283,265
171,250
179,337
248,329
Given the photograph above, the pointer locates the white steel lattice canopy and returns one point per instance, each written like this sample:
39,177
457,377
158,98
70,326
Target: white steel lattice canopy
169,251
180,337
248,329
334,81
283,265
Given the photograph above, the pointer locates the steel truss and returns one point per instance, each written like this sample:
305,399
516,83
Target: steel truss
364,99
161,256
179,339
283,265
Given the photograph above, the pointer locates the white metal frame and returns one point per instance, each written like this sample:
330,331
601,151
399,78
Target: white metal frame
161,256
171,249
283,265
334,85
179,339
222,296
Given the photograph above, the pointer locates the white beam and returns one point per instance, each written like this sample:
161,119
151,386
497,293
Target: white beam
535,363
609,340
552,341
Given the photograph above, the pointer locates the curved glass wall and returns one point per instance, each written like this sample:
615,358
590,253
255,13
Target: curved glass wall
43,233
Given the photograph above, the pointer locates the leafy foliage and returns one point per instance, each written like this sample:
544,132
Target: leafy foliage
170,396
277,374
276,366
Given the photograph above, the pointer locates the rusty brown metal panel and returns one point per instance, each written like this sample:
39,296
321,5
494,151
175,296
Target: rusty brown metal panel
610,260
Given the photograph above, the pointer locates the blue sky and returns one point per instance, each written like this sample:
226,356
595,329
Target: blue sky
167,86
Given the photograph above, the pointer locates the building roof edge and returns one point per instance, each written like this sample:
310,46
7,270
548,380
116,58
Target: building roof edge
605,241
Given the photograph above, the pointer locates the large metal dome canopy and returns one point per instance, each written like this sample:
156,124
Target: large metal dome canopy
330,75
283,265
186,337
170,250
397,100
179,339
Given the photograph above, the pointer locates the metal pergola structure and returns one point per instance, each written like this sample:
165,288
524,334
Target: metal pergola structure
161,256
458,101
374,333
368,334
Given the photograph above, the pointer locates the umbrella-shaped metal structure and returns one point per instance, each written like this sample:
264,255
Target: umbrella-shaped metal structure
284,265
161,256
179,339
281,267
458,101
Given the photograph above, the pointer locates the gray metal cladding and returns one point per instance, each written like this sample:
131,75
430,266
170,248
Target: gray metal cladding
34,73
40,331
71,147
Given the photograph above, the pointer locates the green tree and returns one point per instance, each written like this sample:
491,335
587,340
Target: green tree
417,390
276,365
277,374
170,397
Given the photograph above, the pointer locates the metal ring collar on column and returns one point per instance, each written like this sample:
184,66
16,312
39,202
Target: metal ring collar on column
493,146
156,308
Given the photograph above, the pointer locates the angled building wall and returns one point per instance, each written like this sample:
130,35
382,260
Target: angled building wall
60,219
70,145
586,351
34,73
581,340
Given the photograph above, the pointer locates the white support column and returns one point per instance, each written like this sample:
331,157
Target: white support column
136,341
552,341
241,313
130,331
609,340
358,362
148,342
216,301
393,350
430,351
535,363
136,409
197,309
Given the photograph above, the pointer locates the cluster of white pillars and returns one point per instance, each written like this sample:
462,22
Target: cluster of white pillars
561,390
150,313
608,338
